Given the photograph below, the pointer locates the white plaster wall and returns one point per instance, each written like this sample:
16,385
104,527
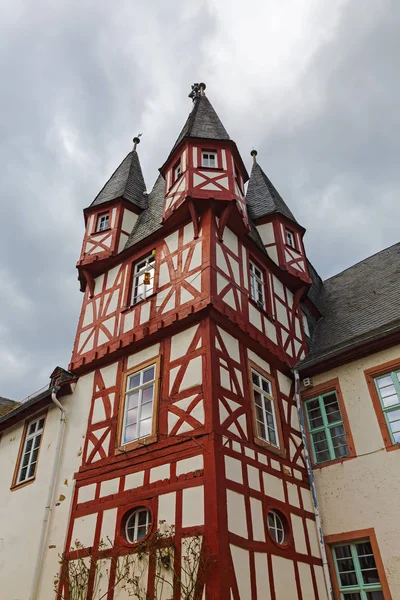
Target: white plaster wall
22,510
364,492
266,232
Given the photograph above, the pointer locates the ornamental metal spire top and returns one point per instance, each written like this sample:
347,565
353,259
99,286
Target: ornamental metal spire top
198,89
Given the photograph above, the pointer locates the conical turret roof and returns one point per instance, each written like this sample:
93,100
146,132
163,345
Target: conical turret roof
263,198
126,182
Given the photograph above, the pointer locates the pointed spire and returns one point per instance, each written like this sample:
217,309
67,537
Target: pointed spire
126,182
203,121
262,197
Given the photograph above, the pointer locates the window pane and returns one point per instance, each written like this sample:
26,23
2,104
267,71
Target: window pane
132,400
25,460
393,415
348,579
375,596
32,428
147,394
332,408
134,381
32,470
41,423
261,430
29,445
130,433
131,416
272,436
145,427
148,375
266,386
146,411
343,551
352,596
255,378
370,576
23,474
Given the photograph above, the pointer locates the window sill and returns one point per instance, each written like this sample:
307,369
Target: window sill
128,308
268,446
102,231
18,486
262,310
212,168
140,443
335,461
391,447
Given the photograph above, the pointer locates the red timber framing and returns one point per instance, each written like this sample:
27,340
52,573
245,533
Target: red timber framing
203,329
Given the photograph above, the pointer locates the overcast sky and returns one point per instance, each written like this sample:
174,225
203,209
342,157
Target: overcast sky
313,85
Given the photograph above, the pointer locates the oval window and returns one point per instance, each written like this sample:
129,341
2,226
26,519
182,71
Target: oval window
137,525
276,527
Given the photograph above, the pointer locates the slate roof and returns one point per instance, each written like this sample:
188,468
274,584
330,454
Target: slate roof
263,198
357,304
7,405
126,182
149,220
202,122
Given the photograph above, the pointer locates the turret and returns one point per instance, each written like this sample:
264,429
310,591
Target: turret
281,234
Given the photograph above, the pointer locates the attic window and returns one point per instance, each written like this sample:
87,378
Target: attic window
209,159
102,222
177,170
290,238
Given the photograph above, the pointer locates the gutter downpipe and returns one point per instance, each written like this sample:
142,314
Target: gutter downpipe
311,481
50,497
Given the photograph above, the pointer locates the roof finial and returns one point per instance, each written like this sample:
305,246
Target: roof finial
197,91
136,140
253,153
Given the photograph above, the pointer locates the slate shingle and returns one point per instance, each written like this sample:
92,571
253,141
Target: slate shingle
263,198
149,220
7,405
126,182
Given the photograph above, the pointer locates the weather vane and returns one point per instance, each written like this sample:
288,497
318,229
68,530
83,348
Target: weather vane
197,91
136,140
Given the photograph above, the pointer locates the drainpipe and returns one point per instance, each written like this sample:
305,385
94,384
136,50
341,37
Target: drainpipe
312,488
50,497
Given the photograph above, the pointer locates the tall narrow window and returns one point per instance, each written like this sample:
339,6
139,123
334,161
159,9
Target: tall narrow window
257,285
290,238
306,327
30,451
209,159
139,404
388,388
264,409
327,432
143,279
356,571
177,170
102,222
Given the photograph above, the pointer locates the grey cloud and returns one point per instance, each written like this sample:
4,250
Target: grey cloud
80,79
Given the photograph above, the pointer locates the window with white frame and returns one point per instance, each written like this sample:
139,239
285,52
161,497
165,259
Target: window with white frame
102,222
209,159
137,525
264,405
139,404
177,170
30,450
388,387
257,285
290,238
143,278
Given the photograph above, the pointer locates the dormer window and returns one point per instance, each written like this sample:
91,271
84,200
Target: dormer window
177,170
290,238
102,222
209,159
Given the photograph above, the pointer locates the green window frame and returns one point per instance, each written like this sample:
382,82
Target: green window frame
356,571
388,388
327,431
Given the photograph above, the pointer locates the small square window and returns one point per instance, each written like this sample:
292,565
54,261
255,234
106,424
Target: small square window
290,238
177,170
102,222
143,278
209,159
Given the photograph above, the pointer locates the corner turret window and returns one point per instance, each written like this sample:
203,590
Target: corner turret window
102,222
143,278
290,239
209,159
177,170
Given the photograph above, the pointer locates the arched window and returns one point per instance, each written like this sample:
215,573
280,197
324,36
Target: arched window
137,525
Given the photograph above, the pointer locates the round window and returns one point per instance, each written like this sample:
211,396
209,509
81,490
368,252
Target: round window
276,527
137,525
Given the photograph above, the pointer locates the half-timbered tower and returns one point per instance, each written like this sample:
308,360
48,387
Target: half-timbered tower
190,324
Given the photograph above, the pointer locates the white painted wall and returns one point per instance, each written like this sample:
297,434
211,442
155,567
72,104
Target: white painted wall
22,510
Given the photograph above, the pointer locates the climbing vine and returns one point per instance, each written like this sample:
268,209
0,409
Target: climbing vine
179,572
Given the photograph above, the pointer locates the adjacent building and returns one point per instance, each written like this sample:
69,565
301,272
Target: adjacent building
217,389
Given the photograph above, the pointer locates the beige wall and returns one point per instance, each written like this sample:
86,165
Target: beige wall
22,509
363,492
